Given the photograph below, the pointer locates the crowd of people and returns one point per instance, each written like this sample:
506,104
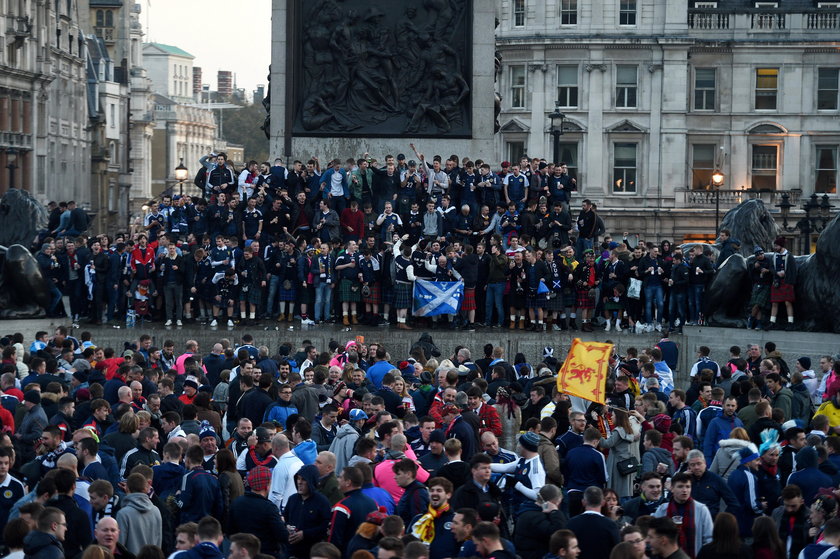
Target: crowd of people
346,244
354,451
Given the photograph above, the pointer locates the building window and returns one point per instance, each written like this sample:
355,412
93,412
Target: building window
517,87
826,182
518,13
625,89
624,168
109,18
515,150
569,156
702,165
764,171
568,12
827,88
627,12
567,86
766,88
100,18
704,89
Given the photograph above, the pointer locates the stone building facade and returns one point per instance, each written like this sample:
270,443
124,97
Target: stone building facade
658,93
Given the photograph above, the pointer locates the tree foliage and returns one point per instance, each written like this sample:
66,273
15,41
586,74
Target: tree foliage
242,126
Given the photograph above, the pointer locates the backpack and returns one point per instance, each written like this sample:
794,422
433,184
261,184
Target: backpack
801,406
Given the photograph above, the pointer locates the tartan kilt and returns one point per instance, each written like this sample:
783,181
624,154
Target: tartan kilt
403,294
375,297
584,301
535,301
611,305
556,303
288,294
346,294
783,294
306,296
468,303
517,300
760,296
569,297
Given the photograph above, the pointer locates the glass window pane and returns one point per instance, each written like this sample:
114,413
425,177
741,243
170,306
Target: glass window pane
626,75
766,78
704,77
517,75
625,155
828,78
567,75
704,156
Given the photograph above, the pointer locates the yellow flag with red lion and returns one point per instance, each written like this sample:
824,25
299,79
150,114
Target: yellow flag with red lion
585,371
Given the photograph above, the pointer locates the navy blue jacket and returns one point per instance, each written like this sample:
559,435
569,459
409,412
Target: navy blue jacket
200,495
254,514
709,489
312,515
347,515
414,501
584,467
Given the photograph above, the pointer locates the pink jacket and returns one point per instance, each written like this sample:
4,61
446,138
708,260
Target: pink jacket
383,476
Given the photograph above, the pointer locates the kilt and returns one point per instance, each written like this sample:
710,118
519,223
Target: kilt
610,305
288,294
346,294
253,295
375,297
783,294
584,301
556,303
516,299
403,293
306,296
760,296
535,301
569,297
468,304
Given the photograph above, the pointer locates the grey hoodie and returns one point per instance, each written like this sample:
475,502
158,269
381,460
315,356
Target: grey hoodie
651,458
139,521
343,445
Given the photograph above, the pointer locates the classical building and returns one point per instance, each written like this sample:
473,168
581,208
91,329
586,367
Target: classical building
657,94
44,144
119,110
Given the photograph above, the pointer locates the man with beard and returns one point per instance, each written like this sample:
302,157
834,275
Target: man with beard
239,441
434,526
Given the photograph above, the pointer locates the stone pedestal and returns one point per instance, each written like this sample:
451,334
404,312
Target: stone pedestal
290,141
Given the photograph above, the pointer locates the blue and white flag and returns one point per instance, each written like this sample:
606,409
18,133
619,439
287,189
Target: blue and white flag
432,298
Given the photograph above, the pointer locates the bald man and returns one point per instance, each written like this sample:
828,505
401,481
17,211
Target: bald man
107,534
327,481
283,476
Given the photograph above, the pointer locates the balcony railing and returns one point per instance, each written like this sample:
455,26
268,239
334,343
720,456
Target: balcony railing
768,22
822,21
731,198
708,21
107,34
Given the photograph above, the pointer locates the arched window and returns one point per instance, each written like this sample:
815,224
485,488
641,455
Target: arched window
100,18
109,18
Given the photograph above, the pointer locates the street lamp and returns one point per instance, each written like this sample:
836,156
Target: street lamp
557,119
181,174
11,155
717,182
785,207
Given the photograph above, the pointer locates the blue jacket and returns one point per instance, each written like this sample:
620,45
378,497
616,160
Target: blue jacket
718,429
444,544
380,496
347,515
254,514
167,478
414,501
584,467
200,495
818,550
326,179
709,489
312,516
809,480
280,412
744,486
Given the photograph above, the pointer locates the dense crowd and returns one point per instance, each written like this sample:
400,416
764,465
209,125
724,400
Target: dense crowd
355,451
346,244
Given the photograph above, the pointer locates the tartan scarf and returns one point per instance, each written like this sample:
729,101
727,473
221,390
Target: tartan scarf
686,539
424,528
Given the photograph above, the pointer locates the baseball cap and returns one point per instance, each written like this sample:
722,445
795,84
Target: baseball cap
263,435
357,414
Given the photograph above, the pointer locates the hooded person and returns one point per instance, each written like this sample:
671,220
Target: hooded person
662,423
307,513
139,519
807,476
344,443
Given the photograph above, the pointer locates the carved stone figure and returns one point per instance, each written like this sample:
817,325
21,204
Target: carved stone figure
393,67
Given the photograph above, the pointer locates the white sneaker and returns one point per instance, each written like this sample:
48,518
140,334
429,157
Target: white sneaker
214,323
640,328
308,322
618,326
168,322
647,328
230,323
179,323
609,325
556,328
677,323
658,327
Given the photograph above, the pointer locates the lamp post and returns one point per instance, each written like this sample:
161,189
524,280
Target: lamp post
819,207
557,119
181,174
11,155
717,182
785,207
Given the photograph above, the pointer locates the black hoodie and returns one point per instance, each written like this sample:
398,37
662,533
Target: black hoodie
41,545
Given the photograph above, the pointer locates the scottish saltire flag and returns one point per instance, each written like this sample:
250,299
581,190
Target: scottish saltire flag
432,298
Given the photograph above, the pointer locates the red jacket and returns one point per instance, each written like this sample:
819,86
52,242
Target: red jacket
143,258
352,219
490,420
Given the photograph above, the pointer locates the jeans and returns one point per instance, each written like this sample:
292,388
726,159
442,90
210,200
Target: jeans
55,298
654,293
323,301
677,307
75,290
495,298
273,293
173,294
581,245
695,302
113,300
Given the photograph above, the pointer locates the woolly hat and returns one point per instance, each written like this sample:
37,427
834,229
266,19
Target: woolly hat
191,381
757,249
530,441
805,362
747,454
780,241
437,436
32,396
206,430
662,423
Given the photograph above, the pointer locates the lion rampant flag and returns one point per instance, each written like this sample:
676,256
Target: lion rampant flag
584,373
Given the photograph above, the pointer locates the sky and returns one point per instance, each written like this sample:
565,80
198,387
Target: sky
243,28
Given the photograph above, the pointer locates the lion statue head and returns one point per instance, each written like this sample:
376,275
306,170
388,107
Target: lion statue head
21,217
752,224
